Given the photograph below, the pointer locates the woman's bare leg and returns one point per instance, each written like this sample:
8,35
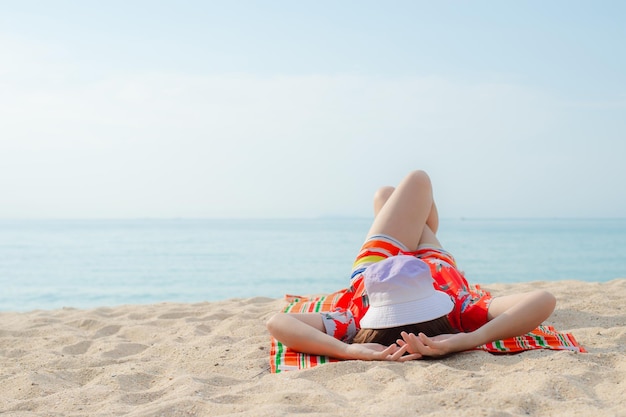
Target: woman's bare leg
403,212
381,196
433,219
428,234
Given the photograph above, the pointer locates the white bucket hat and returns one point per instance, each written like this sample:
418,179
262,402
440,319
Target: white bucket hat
400,291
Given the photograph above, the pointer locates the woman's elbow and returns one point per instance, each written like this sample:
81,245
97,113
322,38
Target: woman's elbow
271,323
548,301
275,323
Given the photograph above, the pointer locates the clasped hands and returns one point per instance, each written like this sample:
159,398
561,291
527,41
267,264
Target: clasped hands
417,347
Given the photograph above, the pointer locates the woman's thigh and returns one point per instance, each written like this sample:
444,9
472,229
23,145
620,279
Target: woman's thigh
404,214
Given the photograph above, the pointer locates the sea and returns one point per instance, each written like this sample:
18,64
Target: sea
51,264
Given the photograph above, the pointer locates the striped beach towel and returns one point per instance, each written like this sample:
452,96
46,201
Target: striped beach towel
284,359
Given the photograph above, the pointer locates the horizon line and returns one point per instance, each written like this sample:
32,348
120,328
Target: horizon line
320,217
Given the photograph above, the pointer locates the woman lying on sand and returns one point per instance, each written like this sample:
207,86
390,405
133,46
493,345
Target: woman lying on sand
407,300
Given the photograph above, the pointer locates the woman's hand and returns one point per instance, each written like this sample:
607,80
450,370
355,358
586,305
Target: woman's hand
437,346
378,352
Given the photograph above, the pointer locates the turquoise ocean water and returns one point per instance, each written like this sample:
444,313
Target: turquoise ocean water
46,264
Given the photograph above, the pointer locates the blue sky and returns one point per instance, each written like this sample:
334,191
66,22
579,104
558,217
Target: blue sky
295,109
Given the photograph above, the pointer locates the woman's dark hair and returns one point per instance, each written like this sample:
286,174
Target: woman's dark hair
388,336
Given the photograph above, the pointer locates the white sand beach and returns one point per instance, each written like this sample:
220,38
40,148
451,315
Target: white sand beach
212,359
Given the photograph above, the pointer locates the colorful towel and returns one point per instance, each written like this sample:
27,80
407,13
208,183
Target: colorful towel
284,359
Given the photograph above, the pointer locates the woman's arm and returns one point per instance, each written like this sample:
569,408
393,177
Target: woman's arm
305,333
509,316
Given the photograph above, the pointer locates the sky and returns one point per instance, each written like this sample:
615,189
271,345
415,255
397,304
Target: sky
210,109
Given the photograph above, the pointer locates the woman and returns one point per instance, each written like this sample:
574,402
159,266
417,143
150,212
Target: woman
405,224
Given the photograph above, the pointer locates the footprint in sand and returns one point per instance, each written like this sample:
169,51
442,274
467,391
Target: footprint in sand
175,315
202,330
77,348
107,331
125,349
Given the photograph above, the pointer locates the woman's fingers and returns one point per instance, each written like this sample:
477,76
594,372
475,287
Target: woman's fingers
398,353
428,342
410,357
385,354
421,344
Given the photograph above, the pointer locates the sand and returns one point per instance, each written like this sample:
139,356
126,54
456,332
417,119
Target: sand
211,359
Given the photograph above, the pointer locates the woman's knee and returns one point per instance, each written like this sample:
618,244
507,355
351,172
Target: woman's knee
381,196
419,178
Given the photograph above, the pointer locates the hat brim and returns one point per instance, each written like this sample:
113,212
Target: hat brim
432,307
